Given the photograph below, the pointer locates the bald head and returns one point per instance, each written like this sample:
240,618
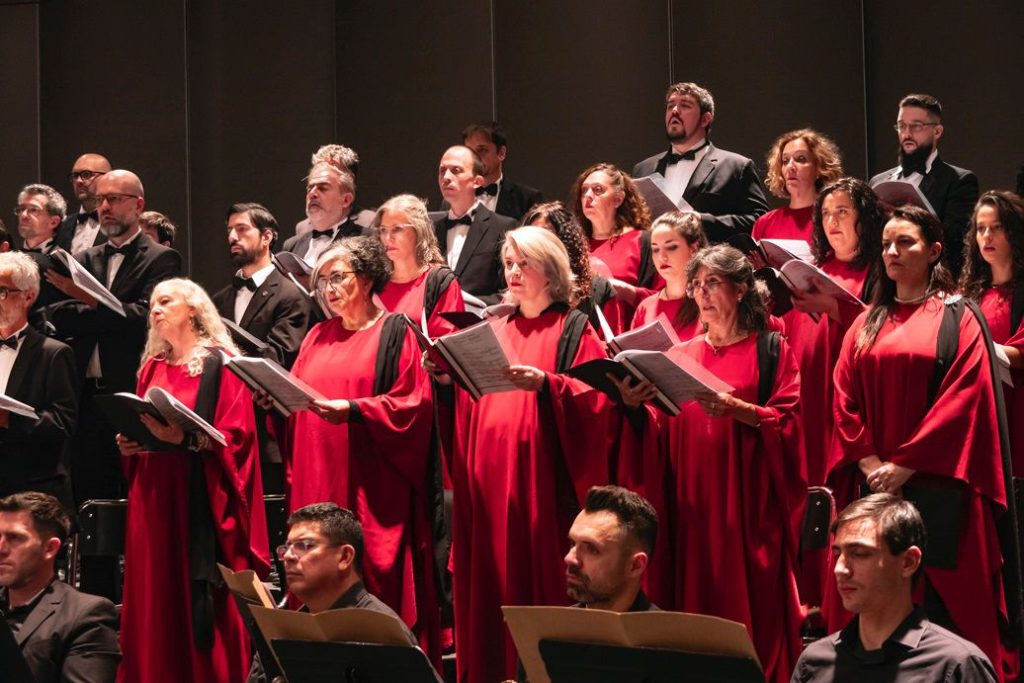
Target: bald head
119,197
87,170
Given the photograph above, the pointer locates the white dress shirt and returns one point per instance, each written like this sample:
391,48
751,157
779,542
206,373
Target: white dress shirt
7,358
84,235
244,295
457,234
677,175
491,202
114,262
318,245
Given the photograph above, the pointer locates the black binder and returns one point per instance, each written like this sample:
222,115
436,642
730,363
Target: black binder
306,661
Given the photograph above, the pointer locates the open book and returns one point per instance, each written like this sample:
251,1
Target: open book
247,343
346,625
124,410
17,407
288,392
893,194
773,252
247,586
85,281
293,267
679,631
652,188
657,335
678,380
470,317
473,357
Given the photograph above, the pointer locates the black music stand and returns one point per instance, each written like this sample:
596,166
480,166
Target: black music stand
306,661
12,662
571,662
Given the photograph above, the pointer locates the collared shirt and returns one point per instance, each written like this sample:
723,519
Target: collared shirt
244,295
677,176
318,245
42,248
16,616
917,650
916,177
7,358
85,234
457,235
491,202
114,262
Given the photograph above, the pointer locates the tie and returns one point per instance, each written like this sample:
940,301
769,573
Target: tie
12,342
239,282
911,164
450,223
83,217
491,189
317,234
109,249
36,250
688,155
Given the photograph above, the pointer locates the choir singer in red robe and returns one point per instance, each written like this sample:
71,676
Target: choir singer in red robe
420,278
190,508
523,459
936,441
366,447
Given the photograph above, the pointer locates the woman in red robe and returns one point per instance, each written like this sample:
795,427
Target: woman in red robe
675,237
366,446
993,275
615,218
524,459
420,279
190,507
899,434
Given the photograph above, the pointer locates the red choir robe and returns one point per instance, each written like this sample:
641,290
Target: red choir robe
785,224
995,305
407,298
156,621
621,255
739,497
523,462
375,465
653,306
881,408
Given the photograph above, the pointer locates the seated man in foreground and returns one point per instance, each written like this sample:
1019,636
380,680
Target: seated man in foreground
877,542
64,635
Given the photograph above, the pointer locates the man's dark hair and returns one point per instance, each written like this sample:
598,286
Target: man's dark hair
260,216
164,226
48,517
899,523
338,524
493,130
924,102
636,515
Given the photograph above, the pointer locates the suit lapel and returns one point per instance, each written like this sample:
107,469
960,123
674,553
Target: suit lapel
259,299
700,174
47,606
16,386
481,223
125,272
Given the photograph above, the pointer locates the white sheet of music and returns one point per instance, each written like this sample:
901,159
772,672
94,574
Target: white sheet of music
656,194
681,379
477,352
180,414
85,280
805,277
657,335
288,391
17,407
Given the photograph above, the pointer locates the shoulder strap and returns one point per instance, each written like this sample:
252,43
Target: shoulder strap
946,346
569,340
767,364
388,353
645,270
1016,308
438,280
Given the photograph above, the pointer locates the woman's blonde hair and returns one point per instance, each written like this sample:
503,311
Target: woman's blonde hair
209,328
428,253
543,250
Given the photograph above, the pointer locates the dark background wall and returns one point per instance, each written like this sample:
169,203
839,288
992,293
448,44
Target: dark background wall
215,102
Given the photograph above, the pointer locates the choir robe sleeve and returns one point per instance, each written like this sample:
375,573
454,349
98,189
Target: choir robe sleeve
450,301
851,427
396,425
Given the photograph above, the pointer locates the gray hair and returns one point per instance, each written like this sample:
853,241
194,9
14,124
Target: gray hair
55,204
23,269
339,156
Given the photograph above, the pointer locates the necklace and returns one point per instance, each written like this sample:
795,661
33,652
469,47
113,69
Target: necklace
715,348
915,300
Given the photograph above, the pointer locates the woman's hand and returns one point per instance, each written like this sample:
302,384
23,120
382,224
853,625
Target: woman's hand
126,445
263,400
623,290
816,302
430,367
334,411
889,478
525,377
633,392
726,405
168,433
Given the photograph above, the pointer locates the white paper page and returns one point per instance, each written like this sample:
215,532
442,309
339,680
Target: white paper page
657,335
17,407
284,387
177,412
681,379
778,252
479,355
85,281
803,277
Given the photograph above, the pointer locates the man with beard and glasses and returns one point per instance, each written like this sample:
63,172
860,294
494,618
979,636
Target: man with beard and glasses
952,191
345,159
81,230
330,194
268,306
721,186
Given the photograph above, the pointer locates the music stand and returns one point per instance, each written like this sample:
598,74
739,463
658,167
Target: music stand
12,662
570,662
305,661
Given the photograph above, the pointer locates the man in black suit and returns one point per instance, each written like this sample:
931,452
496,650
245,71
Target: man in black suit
345,159
722,186
64,635
80,231
471,235
330,193
39,372
267,305
40,211
952,191
498,193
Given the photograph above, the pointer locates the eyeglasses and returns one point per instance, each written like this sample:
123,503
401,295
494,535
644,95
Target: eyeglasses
914,127
30,209
85,176
114,198
705,288
5,291
299,548
393,230
334,281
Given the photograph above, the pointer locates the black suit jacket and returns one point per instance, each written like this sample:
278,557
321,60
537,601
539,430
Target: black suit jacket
66,232
514,200
277,314
48,294
33,452
298,244
120,339
360,216
952,192
71,637
479,269
724,188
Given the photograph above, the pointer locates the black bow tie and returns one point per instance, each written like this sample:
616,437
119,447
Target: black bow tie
239,282
450,223
911,165
317,234
12,342
85,216
36,250
491,189
109,249
688,155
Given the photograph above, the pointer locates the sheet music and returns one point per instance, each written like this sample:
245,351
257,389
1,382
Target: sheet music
657,335
804,277
238,331
652,188
473,303
292,264
180,414
17,407
896,193
778,252
681,379
477,355
287,390
86,282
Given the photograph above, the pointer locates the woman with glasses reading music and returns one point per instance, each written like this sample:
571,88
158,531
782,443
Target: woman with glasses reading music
190,507
420,278
366,445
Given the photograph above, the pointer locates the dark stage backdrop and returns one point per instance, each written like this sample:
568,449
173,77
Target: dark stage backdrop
216,102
